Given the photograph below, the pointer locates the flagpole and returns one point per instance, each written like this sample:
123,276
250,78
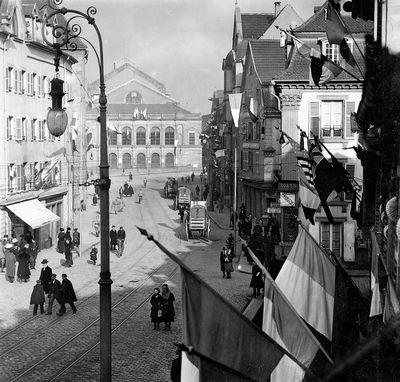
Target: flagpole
179,262
327,59
276,287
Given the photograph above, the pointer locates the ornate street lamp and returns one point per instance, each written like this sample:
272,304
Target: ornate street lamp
66,37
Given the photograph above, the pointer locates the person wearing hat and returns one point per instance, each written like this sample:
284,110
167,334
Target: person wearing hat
54,293
76,239
45,276
10,262
60,242
68,295
23,271
37,298
113,238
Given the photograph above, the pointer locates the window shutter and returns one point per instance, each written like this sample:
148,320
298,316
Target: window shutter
18,129
314,118
350,108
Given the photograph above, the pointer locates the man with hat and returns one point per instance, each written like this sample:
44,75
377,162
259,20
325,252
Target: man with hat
68,295
113,238
54,293
45,276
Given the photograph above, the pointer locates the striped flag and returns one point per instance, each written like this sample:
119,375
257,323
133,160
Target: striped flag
321,293
252,106
50,166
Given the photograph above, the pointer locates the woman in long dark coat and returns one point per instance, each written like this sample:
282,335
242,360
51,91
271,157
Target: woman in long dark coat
10,262
257,282
61,242
168,307
156,302
23,271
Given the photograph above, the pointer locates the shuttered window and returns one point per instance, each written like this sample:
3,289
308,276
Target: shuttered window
332,119
18,129
331,237
350,108
314,118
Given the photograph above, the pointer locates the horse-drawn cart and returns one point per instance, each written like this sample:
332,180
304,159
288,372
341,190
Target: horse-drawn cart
183,198
197,221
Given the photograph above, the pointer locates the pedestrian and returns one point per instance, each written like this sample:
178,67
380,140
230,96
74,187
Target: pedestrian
257,282
23,271
114,206
197,191
181,213
182,179
28,237
121,192
96,226
10,262
130,177
68,235
33,252
144,182
192,176
205,192
37,298
67,296
54,293
168,306
228,263
121,236
83,205
230,243
68,253
94,200
156,312
130,190
45,276
188,179
176,366
113,238
60,242
76,240
93,254
2,252
222,256
123,172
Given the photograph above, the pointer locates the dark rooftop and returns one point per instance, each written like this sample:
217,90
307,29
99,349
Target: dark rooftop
255,24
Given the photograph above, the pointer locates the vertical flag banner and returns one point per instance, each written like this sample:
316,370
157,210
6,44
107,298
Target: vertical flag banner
235,102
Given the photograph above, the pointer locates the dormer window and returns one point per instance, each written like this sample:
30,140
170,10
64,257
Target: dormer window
332,52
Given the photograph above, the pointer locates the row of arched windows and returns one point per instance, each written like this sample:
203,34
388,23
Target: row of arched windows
155,136
155,160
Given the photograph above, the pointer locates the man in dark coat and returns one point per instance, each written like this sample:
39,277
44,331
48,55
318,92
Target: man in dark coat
45,276
121,236
76,240
113,238
68,295
54,293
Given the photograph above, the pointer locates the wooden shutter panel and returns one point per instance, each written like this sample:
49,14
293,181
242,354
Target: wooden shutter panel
314,118
350,108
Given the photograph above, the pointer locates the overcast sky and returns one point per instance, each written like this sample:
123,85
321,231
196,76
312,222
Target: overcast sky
179,42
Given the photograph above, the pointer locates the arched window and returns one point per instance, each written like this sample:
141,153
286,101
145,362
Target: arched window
155,136
126,160
141,161
155,160
113,160
112,137
126,136
169,136
169,160
141,136
133,97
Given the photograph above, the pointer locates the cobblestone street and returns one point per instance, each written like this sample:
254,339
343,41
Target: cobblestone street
66,348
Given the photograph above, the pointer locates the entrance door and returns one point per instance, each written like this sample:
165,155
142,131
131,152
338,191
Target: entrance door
126,160
113,160
155,160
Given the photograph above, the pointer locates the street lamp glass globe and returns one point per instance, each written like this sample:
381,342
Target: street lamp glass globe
57,121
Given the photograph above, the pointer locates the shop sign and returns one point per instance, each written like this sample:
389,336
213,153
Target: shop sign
287,199
273,210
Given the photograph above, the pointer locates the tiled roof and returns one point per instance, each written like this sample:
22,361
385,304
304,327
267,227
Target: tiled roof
317,23
164,108
269,58
255,24
299,69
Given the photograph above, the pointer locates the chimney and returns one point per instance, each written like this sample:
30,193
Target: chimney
277,7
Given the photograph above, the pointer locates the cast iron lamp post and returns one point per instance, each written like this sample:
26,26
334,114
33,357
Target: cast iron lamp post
66,36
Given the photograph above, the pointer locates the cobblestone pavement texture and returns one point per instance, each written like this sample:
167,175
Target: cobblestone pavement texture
44,348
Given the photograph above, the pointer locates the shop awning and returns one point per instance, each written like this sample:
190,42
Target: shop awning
33,213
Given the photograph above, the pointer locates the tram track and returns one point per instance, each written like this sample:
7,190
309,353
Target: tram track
120,320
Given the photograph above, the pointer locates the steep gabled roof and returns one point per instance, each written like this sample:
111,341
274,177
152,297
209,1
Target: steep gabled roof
269,58
254,25
317,23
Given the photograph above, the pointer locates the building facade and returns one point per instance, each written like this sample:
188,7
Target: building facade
34,170
147,129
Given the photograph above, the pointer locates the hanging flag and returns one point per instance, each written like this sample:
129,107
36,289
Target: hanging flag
235,103
74,130
309,200
89,140
252,107
48,169
322,70
322,293
336,32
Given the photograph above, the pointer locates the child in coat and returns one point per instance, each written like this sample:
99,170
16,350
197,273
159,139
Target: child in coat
93,254
37,298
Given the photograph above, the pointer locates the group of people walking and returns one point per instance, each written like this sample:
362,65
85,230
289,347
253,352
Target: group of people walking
67,243
23,251
162,307
117,240
62,292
